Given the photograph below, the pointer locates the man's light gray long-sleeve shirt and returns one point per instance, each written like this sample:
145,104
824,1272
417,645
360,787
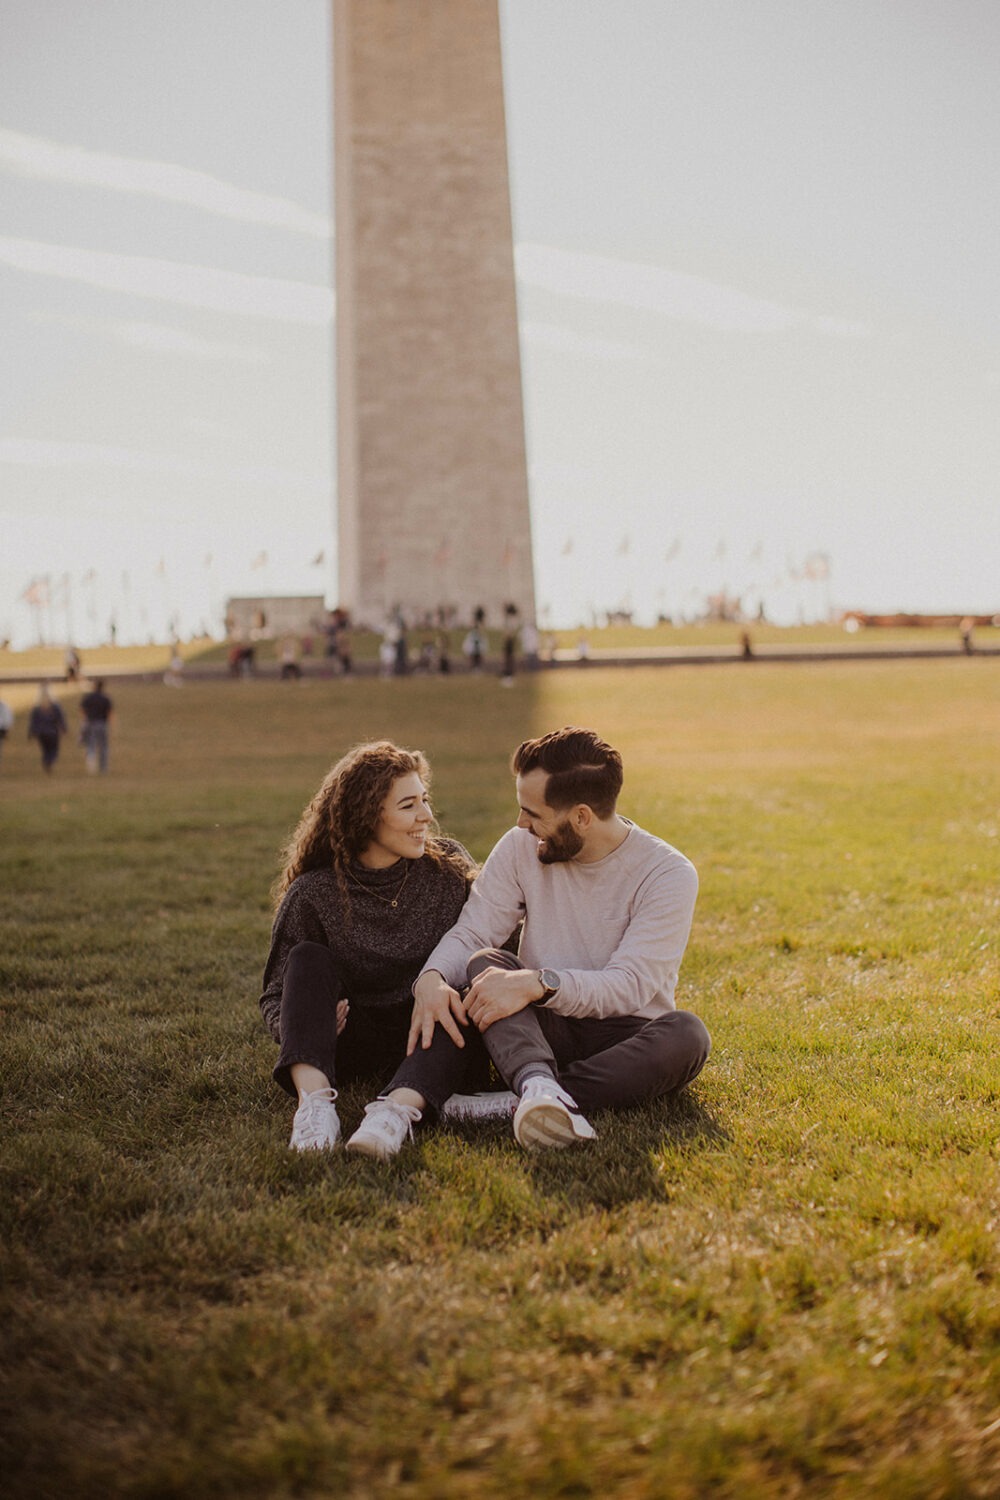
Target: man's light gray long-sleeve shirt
615,930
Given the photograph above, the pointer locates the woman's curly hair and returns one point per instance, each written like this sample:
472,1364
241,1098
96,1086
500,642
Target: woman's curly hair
341,819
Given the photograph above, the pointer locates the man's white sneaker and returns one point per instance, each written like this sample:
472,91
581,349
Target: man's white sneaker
495,1106
548,1116
316,1126
384,1129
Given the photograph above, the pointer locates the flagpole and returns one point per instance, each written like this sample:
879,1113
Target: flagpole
88,581
67,587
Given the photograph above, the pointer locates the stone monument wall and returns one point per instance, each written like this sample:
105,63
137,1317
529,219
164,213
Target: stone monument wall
432,478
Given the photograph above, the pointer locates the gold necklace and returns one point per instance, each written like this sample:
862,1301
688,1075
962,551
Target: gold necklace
386,900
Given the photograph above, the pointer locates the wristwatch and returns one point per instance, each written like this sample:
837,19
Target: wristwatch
549,981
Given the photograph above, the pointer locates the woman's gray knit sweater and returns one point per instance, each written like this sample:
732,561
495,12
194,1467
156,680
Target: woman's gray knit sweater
378,949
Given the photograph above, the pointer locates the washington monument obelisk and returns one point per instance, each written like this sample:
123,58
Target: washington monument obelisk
432,479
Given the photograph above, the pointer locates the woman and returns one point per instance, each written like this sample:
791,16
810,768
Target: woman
366,891
47,725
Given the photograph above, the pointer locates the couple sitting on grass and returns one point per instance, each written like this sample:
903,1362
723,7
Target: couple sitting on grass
391,956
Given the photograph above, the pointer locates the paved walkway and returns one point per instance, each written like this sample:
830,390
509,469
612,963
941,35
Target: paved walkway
633,656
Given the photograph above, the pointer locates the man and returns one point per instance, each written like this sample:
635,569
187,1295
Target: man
95,708
583,1017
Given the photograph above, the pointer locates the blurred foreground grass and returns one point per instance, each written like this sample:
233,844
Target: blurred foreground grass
784,1283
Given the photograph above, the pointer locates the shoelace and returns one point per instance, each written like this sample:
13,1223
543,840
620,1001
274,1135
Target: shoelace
311,1125
387,1108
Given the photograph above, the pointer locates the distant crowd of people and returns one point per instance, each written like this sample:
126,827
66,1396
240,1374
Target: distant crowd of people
520,642
427,646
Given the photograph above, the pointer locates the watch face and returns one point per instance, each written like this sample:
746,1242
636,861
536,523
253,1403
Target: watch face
549,979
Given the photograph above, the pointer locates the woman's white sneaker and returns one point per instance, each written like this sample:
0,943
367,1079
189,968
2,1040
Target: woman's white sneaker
385,1128
316,1126
548,1117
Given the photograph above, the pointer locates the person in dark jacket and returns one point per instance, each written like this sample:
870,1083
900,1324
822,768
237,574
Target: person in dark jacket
47,725
95,708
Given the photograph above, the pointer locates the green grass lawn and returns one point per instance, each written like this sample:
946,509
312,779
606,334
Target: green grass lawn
785,1283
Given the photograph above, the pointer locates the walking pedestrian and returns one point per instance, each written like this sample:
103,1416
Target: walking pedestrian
47,725
96,708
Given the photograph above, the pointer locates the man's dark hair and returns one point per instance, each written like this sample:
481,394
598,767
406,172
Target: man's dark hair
581,767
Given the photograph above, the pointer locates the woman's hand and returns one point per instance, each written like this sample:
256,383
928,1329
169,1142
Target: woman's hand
343,1007
435,1003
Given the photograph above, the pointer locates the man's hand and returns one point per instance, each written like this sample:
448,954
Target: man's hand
435,1003
496,993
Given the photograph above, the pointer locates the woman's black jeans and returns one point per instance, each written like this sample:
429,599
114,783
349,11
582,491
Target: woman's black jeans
373,1043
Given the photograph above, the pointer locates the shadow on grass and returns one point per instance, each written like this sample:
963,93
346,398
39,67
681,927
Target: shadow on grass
621,1166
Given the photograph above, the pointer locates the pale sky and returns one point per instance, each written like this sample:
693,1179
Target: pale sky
756,245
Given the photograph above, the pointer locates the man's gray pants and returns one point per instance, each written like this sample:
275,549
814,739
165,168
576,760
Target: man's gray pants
607,1063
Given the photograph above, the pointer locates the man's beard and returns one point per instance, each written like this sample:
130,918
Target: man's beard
562,845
